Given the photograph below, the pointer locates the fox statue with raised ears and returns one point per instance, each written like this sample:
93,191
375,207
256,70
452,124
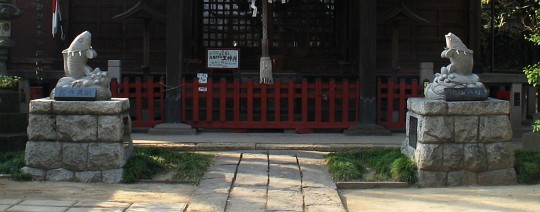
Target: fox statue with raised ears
77,54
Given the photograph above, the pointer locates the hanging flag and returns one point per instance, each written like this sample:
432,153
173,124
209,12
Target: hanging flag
54,17
57,19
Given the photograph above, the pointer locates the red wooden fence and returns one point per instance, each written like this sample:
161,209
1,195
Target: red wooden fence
146,100
232,104
284,105
392,101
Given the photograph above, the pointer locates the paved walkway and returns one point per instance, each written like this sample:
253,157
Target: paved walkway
80,206
267,181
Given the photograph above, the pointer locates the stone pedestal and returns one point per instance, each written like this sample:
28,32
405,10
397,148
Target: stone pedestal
85,141
460,143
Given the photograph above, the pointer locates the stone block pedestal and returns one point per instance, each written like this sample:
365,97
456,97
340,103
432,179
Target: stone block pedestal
85,141
460,143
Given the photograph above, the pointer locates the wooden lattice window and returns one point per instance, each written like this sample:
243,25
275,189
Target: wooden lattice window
297,23
228,23
303,23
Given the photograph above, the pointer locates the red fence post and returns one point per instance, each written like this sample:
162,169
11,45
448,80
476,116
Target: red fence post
114,88
304,100
318,100
138,99
150,93
222,99
263,97
195,91
250,100
345,101
277,101
291,98
236,99
209,99
332,101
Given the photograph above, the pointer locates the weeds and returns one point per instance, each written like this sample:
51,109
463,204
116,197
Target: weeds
11,164
387,164
147,162
527,166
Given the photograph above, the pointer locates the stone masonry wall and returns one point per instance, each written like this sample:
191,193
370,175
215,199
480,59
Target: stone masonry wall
85,141
460,143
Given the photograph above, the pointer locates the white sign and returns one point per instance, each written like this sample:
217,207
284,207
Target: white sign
203,89
203,78
223,59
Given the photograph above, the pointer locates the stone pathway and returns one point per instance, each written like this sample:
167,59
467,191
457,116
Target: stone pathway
80,206
270,180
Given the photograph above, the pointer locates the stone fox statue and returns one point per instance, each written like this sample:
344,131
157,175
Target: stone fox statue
76,56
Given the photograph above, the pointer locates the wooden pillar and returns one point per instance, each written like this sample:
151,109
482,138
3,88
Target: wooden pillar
174,60
367,60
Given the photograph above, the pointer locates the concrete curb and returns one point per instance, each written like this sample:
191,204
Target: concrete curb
264,146
369,185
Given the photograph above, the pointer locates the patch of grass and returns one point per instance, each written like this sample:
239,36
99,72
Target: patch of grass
387,164
344,167
147,162
527,166
405,170
11,164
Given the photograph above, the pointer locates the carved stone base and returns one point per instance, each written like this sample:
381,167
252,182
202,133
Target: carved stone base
78,140
455,144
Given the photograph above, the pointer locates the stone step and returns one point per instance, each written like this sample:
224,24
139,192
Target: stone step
172,129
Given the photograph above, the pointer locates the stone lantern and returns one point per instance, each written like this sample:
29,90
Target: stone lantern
7,13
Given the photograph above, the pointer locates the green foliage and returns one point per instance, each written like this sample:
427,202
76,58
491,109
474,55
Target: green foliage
527,166
11,164
147,162
141,166
388,164
344,167
404,169
192,167
533,74
9,81
536,126
513,21
382,164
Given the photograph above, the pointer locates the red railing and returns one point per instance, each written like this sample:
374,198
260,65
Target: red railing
392,101
283,105
232,104
146,100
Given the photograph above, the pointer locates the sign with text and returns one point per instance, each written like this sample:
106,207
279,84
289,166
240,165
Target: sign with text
75,94
223,58
465,94
203,78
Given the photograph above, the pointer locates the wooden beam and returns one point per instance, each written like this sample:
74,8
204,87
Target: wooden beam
367,60
174,58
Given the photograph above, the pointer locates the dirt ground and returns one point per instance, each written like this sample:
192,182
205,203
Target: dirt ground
474,198
141,192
